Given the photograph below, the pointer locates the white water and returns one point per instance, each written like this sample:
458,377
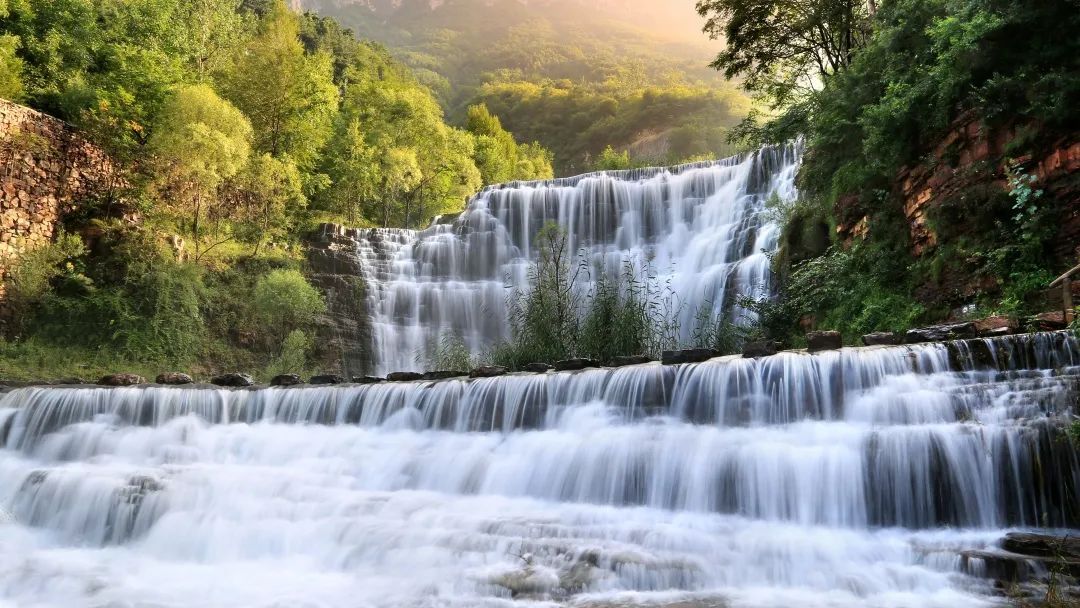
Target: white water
697,229
844,479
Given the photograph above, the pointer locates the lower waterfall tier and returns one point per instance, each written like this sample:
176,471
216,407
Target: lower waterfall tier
847,478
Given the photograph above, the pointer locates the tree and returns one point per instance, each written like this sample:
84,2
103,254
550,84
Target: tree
200,140
11,67
268,194
610,160
289,96
780,47
498,156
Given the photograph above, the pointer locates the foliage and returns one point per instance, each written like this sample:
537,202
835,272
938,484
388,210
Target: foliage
498,156
294,355
609,160
288,95
11,67
30,281
284,302
448,353
610,77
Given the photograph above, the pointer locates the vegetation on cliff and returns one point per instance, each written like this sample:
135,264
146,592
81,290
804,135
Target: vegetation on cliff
236,127
874,87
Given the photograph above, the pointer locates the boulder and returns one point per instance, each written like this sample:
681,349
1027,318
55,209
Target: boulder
367,379
444,374
881,338
404,376
234,379
577,363
998,325
758,348
688,355
122,379
941,333
326,379
286,380
1049,321
487,371
536,367
629,360
173,378
823,340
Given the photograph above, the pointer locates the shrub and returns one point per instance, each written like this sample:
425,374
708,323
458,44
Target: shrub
283,301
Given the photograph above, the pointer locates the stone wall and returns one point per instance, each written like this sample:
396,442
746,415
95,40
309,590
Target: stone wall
46,169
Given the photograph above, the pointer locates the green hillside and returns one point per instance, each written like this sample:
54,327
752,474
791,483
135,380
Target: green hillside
574,77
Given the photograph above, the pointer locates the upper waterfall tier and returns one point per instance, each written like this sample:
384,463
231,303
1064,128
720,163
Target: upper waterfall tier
698,229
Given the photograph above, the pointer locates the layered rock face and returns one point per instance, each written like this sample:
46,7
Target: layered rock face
334,267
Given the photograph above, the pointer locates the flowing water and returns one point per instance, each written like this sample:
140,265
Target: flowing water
841,479
846,478
698,230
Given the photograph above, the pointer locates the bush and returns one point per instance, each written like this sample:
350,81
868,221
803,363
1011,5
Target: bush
31,280
283,301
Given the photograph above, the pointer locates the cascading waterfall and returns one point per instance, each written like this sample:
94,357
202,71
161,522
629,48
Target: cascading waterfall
697,229
844,478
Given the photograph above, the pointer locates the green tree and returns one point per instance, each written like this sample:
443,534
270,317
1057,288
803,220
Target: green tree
610,160
268,197
11,68
288,95
200,140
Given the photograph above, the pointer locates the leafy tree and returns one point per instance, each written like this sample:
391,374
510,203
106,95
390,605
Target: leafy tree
268,195
609,160
200,141
498,156
289,96
11,67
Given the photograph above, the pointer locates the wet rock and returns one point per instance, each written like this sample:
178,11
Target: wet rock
122,380
567,365
443,374
404,376
1049,321
536,367
1042,545
629,360
487,371
367,379
758,348
327,379
532,579
286,380
823,340
235,379
998,565
173,378
941,333
881,338
688,355
998,325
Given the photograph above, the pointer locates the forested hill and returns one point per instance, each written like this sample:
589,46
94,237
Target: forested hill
235,128
575,75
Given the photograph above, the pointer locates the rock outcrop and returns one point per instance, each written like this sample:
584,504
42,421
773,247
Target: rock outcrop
344,333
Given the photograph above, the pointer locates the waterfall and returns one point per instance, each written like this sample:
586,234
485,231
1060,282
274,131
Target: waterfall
844,478
699,229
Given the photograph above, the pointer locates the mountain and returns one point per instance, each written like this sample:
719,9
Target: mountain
575,75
